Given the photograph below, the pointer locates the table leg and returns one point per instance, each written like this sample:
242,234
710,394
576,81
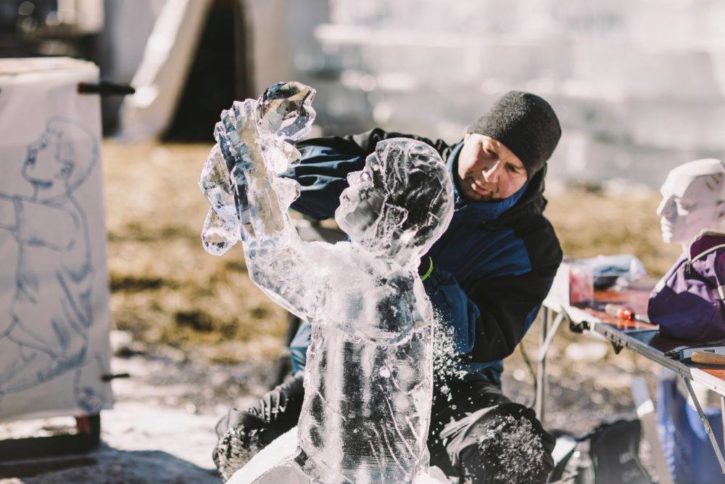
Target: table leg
550,333
706,424
646,414
541,368
722,416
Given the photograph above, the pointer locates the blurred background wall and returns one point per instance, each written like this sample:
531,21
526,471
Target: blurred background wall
639,85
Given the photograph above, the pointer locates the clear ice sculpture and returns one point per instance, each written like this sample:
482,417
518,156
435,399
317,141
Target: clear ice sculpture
369,375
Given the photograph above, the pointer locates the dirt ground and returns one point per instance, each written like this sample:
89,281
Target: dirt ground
172,298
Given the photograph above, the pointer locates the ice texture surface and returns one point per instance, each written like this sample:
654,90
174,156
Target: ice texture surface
369,374
275,464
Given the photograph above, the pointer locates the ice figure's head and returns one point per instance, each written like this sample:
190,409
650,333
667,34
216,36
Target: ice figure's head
400,203
693,200
60,159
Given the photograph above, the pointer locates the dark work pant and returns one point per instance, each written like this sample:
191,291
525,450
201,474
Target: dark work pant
476,432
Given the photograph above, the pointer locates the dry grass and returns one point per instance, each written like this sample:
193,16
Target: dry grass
590,223
166,289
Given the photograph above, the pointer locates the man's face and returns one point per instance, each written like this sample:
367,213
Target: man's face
488,170
44,165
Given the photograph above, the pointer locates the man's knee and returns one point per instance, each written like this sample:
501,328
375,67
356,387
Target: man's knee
504,443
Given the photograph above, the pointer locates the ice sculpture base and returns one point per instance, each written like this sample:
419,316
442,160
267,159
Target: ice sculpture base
275,464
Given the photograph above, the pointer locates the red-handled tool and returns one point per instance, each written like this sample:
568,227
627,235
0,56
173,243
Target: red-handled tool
619,311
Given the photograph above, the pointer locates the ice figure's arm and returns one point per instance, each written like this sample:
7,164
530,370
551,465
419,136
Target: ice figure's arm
278,261
294,276
257,190
326,162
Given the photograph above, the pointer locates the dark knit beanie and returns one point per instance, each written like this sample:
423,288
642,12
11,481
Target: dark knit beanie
525,124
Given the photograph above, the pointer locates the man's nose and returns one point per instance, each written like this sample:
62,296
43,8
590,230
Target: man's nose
490,172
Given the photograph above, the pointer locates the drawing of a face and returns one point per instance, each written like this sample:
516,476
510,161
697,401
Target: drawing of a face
48,162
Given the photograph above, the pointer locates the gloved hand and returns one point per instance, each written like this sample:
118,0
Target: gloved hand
454,310
244,433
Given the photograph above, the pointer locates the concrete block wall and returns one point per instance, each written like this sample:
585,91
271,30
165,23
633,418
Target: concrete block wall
639,84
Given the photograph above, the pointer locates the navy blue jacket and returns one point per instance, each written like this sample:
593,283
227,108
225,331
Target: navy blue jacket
494,264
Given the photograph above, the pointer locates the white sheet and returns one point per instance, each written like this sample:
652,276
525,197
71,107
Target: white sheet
54,312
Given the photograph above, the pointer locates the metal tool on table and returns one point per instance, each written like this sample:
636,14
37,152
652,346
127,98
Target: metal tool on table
709,357
621,311
712,354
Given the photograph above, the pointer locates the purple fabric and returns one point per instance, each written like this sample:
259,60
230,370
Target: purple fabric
686,304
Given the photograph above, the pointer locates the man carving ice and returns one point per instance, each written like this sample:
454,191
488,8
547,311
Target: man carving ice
487,277
369,384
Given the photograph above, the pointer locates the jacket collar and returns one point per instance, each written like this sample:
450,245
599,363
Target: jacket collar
528,200
705,242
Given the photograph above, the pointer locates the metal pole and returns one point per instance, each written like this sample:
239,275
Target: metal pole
722,416
646,413
551,332
706,424
541,368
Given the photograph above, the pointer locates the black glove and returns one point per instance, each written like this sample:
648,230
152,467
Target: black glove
244,433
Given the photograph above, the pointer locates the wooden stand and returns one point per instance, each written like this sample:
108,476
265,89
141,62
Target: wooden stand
14,451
